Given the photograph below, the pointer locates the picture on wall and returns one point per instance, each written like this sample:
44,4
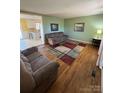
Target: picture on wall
54,27
79,27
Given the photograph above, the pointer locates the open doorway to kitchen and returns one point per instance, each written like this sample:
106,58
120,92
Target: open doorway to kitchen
31,31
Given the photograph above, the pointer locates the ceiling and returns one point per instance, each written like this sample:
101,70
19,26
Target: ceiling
63,8
31,17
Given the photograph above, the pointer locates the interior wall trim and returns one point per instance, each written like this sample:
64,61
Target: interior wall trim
80,41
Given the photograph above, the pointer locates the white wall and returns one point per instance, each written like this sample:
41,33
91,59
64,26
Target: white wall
100,56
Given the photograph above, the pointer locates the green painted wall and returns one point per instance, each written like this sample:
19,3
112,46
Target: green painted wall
47,20
92,23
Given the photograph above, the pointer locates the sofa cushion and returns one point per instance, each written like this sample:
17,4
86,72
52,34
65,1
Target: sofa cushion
33,56
39,62
46,74
60,34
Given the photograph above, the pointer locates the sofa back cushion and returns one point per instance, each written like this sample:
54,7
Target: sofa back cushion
52,35
46,73
33,56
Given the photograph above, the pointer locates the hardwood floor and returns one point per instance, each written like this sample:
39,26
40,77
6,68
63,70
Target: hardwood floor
76,78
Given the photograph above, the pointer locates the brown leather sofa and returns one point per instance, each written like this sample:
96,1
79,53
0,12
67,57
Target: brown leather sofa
37,73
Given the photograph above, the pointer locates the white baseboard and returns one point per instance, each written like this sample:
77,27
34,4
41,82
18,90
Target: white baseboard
80,41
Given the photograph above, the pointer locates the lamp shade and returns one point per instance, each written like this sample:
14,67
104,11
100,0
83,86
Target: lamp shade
99,31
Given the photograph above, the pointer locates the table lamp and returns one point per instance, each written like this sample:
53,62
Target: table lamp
99,32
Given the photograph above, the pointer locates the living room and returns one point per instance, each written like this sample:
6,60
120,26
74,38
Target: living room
92,24
70,44
61,49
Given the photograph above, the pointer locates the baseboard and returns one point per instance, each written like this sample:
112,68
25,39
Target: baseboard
80,41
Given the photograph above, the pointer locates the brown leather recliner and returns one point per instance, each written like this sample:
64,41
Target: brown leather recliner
37,73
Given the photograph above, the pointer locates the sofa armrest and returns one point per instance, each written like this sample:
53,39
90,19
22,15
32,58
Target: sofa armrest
46,74
65,37
51,41
29,51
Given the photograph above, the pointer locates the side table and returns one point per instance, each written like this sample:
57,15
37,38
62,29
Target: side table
96,42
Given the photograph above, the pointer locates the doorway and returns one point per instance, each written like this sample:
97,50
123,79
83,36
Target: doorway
31,31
